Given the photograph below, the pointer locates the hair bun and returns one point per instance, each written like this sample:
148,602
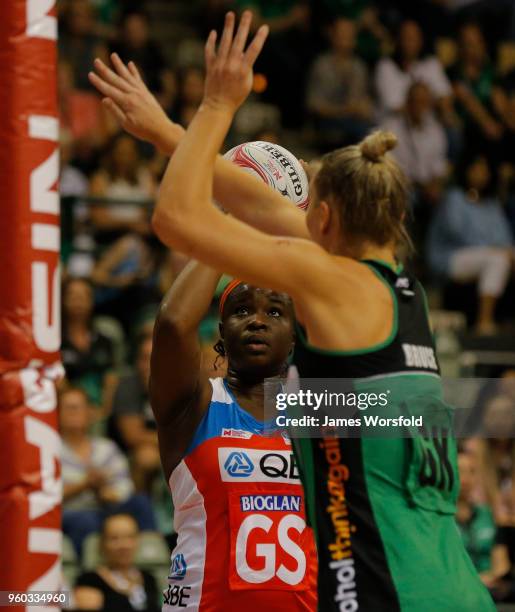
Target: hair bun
373,147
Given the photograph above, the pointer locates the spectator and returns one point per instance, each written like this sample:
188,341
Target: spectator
80,112
95,474
191,92
372,36
117,585
125,178
395,74
422,147
133,420
338,89
126,273
78,42
285,55
473,79
135,44
475,521
470,240
88,355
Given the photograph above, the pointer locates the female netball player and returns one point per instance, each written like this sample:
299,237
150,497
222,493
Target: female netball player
382,509
242,542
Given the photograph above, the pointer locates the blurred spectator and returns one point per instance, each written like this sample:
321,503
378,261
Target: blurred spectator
470,240
394,75
80,112
497,467
422,147
473,78
338,89
126,272
286,53
191,92
72,182
372,36
117,585
78,42
125,178
503,100
87,354
133,421
95,473
135,44
475,521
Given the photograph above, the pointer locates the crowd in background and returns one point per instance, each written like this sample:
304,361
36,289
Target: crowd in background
440,74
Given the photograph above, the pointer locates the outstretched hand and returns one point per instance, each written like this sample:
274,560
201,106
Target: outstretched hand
229,68
129,100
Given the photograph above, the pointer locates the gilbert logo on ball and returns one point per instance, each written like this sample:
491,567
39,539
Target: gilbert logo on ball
274,165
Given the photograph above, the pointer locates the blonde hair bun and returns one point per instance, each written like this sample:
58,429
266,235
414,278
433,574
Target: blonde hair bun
375,146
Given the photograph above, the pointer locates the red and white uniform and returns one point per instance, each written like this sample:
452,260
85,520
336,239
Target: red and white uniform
243,544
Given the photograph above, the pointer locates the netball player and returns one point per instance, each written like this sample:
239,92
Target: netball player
383,510
242,543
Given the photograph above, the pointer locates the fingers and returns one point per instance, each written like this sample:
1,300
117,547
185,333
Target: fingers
106,89
115,109
134,71
209,51
226,41
121,68
111,77
240,39
254,49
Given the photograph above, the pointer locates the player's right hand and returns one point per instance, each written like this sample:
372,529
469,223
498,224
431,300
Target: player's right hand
130,101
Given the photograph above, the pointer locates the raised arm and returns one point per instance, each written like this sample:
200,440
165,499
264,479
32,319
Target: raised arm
243,195
184,216
179,391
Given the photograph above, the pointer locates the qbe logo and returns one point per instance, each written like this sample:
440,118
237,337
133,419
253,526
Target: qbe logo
256,465
179,567
238,465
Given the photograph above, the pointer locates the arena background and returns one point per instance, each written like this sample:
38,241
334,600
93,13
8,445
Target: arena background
439,73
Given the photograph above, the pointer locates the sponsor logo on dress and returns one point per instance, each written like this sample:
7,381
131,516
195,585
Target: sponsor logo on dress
179,567
258,465
229,432
238,465
270,503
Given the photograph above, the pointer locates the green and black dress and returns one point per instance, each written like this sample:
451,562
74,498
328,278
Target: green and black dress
383,508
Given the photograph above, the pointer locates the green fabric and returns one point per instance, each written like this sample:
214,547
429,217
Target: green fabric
478,536
443,577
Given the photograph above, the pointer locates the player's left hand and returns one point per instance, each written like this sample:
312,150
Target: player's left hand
130,101
229,68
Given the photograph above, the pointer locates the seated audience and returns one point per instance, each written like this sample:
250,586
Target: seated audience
88,355
191,92
79,43
124,178
422,146
95,473
394,75
470,240
117,584
133,421
473,79
136,44
475,521
338,92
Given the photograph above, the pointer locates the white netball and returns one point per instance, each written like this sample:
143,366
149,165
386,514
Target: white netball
274,165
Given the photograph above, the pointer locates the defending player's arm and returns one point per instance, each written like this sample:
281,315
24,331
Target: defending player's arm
179,391
243,195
